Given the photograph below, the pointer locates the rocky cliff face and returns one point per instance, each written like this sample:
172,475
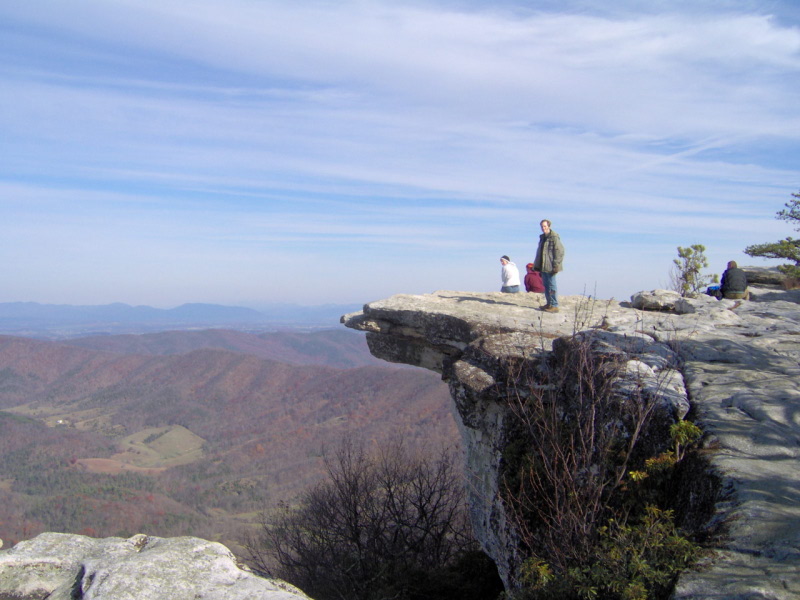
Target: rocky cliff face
735,362
59,566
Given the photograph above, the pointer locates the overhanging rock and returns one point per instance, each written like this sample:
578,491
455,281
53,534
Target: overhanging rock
739,362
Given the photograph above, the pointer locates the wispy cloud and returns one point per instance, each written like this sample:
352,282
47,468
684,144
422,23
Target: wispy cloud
392,143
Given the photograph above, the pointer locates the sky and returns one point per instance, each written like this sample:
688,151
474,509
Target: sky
246,152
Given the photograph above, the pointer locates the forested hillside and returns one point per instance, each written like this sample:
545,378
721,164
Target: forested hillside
334,348
158,434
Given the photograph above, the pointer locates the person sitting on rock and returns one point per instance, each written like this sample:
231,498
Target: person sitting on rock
533,280
509,275
734,283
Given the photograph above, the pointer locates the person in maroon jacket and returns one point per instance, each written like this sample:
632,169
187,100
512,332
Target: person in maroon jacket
533,280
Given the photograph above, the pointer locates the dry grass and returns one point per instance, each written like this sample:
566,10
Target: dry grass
791,283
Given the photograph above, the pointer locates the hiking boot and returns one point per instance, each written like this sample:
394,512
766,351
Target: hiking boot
545,307
550,309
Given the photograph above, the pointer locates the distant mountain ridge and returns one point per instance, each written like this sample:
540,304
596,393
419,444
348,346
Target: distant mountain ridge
329,347
119,311
65,320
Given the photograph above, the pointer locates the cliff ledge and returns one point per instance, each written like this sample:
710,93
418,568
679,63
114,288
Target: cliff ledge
736,363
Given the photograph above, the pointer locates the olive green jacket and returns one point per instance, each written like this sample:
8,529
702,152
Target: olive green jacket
549,254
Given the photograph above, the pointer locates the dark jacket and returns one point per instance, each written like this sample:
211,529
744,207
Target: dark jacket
733,280
549,254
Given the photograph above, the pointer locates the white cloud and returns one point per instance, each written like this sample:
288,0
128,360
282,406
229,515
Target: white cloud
354,129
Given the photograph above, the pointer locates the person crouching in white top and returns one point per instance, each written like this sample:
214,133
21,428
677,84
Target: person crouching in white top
510,276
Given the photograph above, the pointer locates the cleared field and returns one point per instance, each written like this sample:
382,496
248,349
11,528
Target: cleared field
160,447
66,414
109,466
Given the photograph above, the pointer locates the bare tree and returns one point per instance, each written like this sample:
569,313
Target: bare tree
379,527
577,438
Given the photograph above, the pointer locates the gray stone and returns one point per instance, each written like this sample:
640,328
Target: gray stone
766,294
57,566
684,306
764,276
655,300
737,361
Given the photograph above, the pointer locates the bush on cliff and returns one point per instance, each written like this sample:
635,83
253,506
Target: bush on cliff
390,525
591,480
686,276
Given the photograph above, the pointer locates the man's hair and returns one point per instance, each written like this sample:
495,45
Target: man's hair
549,224
732,265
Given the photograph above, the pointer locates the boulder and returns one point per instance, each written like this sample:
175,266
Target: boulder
768,277
655,300
57,566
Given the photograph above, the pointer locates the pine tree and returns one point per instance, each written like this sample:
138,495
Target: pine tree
788,248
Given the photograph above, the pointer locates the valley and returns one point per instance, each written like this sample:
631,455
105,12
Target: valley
191,432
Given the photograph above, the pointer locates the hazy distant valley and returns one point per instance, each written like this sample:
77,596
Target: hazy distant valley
58,321
190,432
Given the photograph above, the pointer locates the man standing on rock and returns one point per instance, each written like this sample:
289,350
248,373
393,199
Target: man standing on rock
549,256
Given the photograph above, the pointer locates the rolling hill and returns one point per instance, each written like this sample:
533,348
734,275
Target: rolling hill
333,348
190,432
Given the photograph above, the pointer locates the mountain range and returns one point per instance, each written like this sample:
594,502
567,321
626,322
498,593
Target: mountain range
334,348
32,319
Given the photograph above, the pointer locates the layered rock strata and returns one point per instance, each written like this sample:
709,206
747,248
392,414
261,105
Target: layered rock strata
57,566
736,362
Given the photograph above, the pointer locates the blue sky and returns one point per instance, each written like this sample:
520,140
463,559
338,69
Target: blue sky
251,151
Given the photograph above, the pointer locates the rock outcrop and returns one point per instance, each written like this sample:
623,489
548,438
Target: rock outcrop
59,566
736,362
764,277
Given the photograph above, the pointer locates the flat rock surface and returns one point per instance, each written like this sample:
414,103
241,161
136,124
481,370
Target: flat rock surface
57,566
741,370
